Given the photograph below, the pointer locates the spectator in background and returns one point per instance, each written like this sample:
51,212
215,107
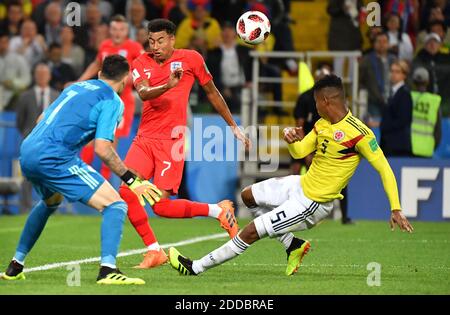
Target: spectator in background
230,65
39,12
407,11
432,59
372,32
35,100
306,115
53,23
374,74
344,30
142,38
396,121
29,44
30,105
426,120
153,8
72,54
14,19
105,8
435,9
399,41
177,12
136,18
61,71
200,24
438,27
14,73
85,35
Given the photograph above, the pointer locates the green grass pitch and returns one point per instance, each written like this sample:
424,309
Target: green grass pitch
410,264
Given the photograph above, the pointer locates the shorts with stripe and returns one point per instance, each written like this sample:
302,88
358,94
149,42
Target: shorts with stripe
75,180
289,210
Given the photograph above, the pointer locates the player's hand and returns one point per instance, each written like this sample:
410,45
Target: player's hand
293,134
174,78
239,134
146,191
398,218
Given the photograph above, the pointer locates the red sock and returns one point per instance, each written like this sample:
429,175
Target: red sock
137,215
105,171
180,208
87,154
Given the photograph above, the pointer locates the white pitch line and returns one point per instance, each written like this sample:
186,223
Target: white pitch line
126,253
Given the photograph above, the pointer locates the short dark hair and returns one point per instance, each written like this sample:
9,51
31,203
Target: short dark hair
159,25
329,81
114,67
383,33
54,45
437,22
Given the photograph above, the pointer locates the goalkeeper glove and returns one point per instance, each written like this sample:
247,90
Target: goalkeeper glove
145,190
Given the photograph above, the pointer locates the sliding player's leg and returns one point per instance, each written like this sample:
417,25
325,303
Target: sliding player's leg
295,214
169,164
140,161
271,193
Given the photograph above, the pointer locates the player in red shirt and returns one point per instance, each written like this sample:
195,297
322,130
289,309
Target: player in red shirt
164,78
118,43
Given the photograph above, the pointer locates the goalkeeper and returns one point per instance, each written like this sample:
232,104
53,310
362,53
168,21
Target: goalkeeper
85,111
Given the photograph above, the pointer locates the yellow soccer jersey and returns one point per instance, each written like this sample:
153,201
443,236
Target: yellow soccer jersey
338,151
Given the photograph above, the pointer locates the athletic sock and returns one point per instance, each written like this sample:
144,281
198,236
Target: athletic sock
138,216
180,208
229,250
286,239
111,232
154,246
33,227
214,210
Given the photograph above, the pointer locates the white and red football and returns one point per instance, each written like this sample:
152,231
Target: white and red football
253,27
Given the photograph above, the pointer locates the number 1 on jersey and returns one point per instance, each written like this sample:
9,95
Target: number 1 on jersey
69,95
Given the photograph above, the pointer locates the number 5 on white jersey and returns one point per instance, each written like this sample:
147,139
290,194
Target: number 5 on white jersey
168,166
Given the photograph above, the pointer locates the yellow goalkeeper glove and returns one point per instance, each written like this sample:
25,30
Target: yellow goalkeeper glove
145,191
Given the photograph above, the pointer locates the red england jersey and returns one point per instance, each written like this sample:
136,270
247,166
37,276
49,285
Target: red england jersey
128,49
162,114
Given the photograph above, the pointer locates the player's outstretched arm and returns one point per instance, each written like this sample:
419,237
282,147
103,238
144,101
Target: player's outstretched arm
221,107
383,168
142,188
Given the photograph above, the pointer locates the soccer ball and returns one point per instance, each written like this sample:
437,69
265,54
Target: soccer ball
253,27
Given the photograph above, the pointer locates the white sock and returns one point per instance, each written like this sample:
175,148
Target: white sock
229,250
154,246
286,239
20,262
214,210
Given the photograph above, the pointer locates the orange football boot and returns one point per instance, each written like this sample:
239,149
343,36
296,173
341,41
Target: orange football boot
152,259
227,219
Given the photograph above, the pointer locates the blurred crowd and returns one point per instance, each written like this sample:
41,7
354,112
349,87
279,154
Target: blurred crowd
407,63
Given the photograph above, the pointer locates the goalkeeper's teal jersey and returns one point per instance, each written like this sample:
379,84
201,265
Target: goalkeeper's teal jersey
84,111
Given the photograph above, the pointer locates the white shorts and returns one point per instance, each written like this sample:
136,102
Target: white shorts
288,208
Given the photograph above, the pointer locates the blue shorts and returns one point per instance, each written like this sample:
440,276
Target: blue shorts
75,180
